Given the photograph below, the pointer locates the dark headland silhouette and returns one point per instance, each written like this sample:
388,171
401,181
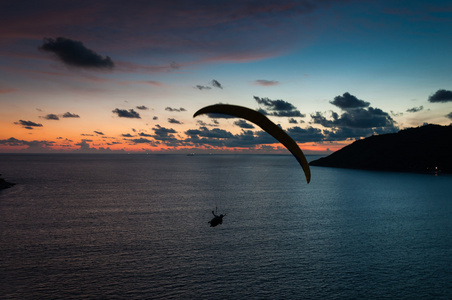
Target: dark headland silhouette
5,184
425,149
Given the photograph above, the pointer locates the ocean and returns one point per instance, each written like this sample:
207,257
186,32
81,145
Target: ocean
92,226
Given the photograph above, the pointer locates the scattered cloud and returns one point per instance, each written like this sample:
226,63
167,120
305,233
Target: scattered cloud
415,109
309,134
222,138
214,123
126,135
155,118
50,117
143,141
263,82
142,107
98,132
32,146
278,108
396,114
243,124
293,121
162,131
216,84
175,109
203,87
347,101
358,119
28,124
441,96
213,83
166,136
123,113
75,54
70,115
449,115
145,134
204,132
174,121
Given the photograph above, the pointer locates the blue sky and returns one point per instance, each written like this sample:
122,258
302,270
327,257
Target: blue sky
387,63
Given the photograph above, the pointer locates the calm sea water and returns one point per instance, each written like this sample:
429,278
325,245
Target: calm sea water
135,226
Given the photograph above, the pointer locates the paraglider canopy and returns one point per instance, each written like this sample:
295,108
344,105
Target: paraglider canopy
264,123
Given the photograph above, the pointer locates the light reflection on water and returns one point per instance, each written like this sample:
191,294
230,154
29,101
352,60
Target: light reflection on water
135,226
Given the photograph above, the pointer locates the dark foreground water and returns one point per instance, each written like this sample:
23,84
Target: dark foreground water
135,226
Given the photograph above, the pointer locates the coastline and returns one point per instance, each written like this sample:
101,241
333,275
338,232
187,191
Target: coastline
5,184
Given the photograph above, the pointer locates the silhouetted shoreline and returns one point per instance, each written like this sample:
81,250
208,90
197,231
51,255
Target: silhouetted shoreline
424,149
5,184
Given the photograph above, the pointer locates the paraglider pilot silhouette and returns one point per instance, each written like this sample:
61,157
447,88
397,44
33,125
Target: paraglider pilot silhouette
263,122
217,219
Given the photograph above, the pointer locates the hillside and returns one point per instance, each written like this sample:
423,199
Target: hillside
422,149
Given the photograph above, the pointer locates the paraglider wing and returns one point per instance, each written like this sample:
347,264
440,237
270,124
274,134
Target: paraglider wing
264,123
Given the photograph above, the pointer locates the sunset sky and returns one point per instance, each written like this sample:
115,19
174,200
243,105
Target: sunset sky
97,76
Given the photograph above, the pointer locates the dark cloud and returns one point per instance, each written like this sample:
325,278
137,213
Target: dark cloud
278,108
415,109
347,101
75,54
441,96
50,117
143,141
126,135
293,121
203,87
166,136
123,113
155,118
319,118
32,146
396,114
346,133
243,124
145,134
221,138
210,133
162,131
358,120
174,121
98,132
216,84
12,142
175,109
213,123
266,82
142,107
309,134
449,115
70,115
28,124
